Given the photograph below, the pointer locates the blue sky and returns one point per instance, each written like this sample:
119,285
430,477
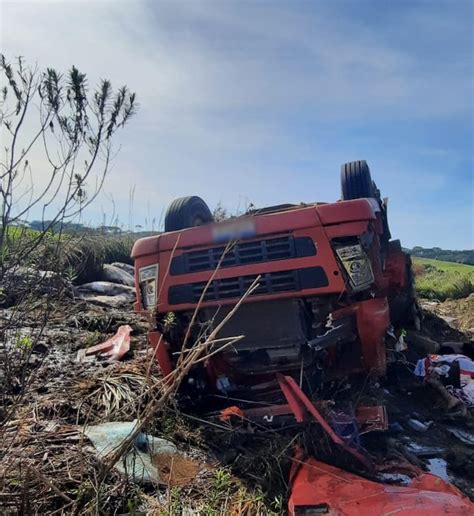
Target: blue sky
262,101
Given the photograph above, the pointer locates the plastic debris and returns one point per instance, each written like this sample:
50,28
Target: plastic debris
227,413
114,348
117,275
438,467
401,345
465,436
106,288
419,426
125,267
456,372
138,463
421,450
106,293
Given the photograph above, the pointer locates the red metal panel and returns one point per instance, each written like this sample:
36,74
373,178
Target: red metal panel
158,343
347,229
145,246
347,211
299,222
370,419
334,491
373,320
265,224
395,269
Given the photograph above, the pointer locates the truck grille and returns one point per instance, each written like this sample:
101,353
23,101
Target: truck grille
243,253
229,288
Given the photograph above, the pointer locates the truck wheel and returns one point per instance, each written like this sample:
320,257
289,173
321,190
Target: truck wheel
356,181
187,212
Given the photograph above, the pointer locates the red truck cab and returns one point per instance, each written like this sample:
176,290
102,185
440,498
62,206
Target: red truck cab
330,285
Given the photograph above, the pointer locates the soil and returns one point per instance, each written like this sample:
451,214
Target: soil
175,469
457,313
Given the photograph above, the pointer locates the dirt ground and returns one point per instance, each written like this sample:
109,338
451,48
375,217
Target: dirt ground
65,394
458,313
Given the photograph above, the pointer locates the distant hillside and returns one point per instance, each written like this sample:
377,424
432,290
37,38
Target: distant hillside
446,255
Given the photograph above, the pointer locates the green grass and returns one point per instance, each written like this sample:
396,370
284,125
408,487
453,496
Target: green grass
15,232
436,279
81,255
462,268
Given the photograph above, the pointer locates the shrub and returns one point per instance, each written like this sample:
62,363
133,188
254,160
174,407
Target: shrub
86,256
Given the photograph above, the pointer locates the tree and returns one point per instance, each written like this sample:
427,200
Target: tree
56,151
74,128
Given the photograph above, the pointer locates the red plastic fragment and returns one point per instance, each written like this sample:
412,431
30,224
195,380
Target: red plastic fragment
115,347
228,412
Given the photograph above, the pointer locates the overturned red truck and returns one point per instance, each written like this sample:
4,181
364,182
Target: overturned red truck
331,283
333,290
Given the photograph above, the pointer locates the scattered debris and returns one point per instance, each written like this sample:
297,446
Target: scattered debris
327,489
106,288
439,467
456,372
106,293
114,348
140,462
117,275
424,451
58,466
125,267
419,426
465,436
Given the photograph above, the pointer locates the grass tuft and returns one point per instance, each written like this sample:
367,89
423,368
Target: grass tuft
440,280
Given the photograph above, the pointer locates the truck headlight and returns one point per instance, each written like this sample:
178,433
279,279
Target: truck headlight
147,278
356,263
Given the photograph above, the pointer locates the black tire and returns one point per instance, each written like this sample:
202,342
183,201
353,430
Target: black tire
356,181
187,212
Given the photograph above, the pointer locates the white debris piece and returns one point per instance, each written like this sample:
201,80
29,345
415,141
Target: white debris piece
138,462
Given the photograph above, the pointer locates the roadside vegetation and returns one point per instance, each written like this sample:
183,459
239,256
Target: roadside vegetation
457,256
79,254
437,279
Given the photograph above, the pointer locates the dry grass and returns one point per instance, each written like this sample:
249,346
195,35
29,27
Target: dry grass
48,465
114,394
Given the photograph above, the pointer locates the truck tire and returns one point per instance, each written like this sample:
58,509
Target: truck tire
187,212
356,181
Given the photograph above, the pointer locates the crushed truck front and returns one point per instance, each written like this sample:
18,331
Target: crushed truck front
321,300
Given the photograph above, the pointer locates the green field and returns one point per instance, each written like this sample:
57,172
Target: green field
436,279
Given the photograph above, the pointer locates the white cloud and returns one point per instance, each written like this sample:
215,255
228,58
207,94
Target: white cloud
224,89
